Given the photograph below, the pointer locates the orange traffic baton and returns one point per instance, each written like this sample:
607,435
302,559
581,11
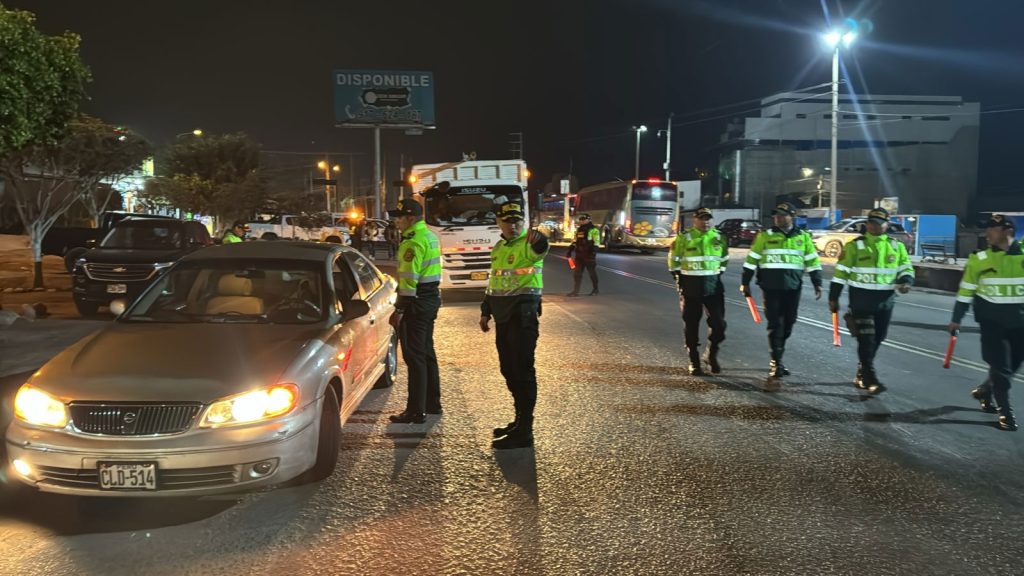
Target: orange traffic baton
753,310
835,330
949,348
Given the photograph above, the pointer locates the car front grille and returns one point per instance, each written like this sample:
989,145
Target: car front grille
119,272
116,419
468,261
168,479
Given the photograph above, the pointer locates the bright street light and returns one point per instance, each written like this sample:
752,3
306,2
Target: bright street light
639,130
833,38
197,132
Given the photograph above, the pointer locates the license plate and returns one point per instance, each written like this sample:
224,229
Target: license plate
478,276
123,476
117,288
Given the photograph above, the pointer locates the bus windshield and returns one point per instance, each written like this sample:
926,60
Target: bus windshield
665,191
653,209
467,206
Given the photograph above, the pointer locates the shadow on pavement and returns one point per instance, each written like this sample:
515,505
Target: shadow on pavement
407,438
71,515
519,467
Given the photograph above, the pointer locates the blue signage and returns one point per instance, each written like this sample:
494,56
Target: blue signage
384,97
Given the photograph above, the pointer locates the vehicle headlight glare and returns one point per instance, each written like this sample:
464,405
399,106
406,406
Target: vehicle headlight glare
253,406
36,407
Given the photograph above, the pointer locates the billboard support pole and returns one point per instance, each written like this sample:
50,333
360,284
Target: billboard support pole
377,182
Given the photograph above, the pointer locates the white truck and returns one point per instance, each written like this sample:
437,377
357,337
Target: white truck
460,203
293,227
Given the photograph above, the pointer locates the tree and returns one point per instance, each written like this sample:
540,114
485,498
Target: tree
42,82
47,180
216,175
108,154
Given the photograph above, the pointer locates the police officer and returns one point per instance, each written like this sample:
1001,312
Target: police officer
696,260
419,297
994,281
236,233
513,298
874,266
585,244
780,256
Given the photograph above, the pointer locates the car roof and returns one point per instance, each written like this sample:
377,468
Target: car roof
269,249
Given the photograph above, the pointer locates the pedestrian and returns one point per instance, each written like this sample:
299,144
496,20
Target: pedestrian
780,256
392,237
236,233
372,235
875,267
696,260
513,299
419,297
356,236
585,244
994,282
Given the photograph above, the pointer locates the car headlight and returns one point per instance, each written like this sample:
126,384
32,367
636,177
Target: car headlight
253,406
36,407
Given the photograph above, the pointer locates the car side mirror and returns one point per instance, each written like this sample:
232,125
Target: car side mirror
353,309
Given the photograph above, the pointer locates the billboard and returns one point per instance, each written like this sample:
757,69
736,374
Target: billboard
384,97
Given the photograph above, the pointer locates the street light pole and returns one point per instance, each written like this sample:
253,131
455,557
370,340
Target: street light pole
833,194
668,147
636,165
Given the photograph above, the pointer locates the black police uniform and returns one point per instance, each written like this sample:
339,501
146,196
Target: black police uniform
585,257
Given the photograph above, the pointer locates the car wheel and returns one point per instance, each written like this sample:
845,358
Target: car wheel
329,440
269,236
72,256
387,379
833,249
86,308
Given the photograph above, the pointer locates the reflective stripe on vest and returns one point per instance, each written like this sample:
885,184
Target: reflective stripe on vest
515,269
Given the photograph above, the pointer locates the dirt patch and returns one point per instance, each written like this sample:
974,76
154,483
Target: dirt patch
16,279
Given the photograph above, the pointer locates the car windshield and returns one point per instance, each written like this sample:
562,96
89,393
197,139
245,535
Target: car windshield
252,291
842,224
468,206
152,235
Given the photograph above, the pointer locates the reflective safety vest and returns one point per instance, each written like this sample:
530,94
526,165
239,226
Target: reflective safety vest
419,259
696,253
230,238
515,268
994,276
873,263
780,259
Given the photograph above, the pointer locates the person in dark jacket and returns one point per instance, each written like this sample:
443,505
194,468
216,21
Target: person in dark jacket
780,256
585,244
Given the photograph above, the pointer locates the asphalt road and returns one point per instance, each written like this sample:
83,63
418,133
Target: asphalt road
639,468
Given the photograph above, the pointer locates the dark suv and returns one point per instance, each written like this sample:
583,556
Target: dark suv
131,256
739,232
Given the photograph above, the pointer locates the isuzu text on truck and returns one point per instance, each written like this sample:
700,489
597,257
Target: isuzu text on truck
460,204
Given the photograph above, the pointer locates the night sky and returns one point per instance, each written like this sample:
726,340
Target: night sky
573,75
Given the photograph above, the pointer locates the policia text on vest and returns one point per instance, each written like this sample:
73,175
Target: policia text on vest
513,299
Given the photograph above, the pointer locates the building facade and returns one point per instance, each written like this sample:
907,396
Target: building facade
919,152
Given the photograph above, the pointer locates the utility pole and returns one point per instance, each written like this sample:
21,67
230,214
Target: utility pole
668,147
517,145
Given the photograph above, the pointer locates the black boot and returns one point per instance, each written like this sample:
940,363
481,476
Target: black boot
858,380
408,417
776,369
1006,420
504,430
983,394
712,358
519,437
695,367
870,381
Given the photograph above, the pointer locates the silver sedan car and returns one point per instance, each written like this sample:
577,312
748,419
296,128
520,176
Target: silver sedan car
234,370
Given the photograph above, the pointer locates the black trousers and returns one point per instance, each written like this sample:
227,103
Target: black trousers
780,311
694,308
416,334
517,341
577,275
1003,350
872,328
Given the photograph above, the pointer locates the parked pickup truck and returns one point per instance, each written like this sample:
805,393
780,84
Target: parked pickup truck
70,243
292,227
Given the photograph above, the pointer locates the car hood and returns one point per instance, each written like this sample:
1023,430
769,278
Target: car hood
132,255
176,362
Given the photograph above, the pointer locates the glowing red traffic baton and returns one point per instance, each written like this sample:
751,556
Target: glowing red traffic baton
753,310
950,347
572,263
835,330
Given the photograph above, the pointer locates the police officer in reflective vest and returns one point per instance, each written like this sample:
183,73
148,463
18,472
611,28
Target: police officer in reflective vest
513,299
585,244
994,282
236,233
419,297
696,261
780,256
874,266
